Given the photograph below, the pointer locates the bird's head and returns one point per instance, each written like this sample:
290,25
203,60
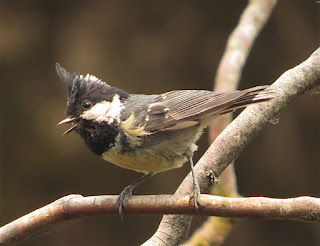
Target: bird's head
90,101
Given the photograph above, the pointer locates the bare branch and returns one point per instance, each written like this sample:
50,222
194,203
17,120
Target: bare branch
305,209
229,144
240,42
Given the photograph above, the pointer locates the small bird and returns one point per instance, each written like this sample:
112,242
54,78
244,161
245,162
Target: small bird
146,133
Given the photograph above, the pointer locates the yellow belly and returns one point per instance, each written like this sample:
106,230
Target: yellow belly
142,161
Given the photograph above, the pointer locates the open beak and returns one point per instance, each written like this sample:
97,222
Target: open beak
75,122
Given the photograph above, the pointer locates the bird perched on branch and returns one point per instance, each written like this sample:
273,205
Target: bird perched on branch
146,133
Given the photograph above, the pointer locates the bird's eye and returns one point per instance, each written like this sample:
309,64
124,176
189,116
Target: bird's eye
87,104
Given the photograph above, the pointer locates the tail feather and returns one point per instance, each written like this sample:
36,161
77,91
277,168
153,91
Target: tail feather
252,96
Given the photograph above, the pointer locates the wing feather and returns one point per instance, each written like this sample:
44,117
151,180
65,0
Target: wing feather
183,108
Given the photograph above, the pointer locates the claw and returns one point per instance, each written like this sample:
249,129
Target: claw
127,193
196,189
123,199
195,196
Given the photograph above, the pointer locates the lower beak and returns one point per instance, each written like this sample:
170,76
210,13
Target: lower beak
75,121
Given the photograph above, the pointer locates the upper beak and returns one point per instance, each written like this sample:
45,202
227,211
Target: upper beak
75,121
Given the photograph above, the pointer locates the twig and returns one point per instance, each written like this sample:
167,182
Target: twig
305,209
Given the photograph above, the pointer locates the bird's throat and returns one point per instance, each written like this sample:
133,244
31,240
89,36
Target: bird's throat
98,137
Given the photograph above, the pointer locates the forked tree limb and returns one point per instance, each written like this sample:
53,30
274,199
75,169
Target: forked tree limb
173,229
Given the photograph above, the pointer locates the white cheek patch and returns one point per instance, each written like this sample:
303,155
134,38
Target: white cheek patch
98,112
104,111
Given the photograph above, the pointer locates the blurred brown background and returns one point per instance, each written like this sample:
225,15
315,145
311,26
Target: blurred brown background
146,47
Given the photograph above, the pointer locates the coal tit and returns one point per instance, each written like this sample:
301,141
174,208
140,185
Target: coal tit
146,133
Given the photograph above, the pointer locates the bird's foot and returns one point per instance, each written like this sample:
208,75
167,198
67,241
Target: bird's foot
195,196
123,199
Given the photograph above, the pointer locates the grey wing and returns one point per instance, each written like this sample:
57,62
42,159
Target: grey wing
183,108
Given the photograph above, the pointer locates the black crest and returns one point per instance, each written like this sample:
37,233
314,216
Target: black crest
89,87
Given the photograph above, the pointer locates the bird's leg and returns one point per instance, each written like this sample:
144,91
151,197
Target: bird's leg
127,193
196,188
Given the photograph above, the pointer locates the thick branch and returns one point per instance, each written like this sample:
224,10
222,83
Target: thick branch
229,144
75,206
